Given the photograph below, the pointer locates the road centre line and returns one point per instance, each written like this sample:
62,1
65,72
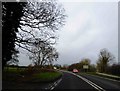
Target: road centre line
55,84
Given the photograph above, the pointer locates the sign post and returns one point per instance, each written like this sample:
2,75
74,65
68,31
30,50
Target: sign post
85,67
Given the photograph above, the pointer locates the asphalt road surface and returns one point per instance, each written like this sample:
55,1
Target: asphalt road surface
73,81
70,81
106,84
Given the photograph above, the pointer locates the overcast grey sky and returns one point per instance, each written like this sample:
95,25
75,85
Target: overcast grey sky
89,27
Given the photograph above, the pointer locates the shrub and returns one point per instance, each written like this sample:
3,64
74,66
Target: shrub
114,69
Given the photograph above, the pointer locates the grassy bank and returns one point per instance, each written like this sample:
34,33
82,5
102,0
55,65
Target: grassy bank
108,76
30,75
103,75
45,76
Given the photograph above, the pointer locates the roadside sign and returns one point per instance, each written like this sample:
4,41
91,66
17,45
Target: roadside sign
85,67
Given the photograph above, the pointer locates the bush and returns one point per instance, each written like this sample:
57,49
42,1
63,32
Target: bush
114,69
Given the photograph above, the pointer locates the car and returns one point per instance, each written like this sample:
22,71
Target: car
75,71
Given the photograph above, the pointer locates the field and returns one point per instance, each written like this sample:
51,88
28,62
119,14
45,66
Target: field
29,75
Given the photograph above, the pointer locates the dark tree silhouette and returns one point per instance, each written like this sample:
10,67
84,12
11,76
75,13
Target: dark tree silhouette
11,16
43,53
37,31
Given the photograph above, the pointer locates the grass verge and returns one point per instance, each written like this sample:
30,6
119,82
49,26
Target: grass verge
45,76
103,75
23,75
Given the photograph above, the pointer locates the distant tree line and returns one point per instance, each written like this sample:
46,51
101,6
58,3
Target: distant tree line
113,69
80,65
103,65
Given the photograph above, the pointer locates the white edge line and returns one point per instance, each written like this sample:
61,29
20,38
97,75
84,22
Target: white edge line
91,83
88,81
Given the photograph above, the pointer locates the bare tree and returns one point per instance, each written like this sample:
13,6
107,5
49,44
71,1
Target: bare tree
37,31
40,20
105,57
43,53
23,23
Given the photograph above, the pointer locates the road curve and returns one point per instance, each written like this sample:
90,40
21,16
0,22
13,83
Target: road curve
70,81
73,81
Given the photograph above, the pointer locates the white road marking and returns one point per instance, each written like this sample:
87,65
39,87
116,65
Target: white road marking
88,81
52,88
55,84
91,83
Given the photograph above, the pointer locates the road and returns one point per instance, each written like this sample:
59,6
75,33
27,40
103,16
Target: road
106,84
86,82
69,81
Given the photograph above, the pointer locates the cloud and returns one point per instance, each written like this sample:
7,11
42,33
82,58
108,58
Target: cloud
89,28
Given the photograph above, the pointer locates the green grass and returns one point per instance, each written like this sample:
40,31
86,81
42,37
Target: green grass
13,70
12,73
101,75
41,75
46,76
109,76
